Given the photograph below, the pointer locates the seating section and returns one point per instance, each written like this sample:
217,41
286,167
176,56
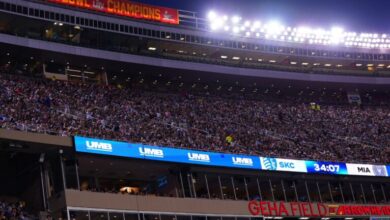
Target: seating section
289,129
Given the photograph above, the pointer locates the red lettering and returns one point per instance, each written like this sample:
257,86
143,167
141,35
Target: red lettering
386,210
347,210
272,207
305,209
263,208
377,211
367,210
294,208
322,210
312,210
282,209
253,207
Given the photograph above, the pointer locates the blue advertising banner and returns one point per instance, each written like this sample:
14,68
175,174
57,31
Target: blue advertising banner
326,167
141,151
106,147
123,149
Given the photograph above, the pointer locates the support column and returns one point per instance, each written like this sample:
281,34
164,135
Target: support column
330,191
307,191
383,192
246,189
44,197
62,169
77,174
259,189
182,184
352,192
296,192
364,194
373,193
319,191
342,193
207,186
234,188
272,189
284,190
220,187
193,185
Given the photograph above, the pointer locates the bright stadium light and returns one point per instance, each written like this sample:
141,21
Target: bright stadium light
305,35
256,24
217,24
274,27
337,35
236,19
212,15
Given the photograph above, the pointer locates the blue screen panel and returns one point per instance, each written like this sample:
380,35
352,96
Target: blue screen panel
122,149
326,167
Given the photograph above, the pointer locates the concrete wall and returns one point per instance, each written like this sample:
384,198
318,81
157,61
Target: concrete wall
43,139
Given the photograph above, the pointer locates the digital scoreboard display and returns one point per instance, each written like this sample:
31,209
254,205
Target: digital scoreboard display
127,9
168,154
326,167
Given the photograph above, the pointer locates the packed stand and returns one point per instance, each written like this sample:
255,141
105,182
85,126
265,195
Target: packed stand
14,211
256,127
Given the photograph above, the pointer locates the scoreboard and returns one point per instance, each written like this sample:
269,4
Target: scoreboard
127,9
167,154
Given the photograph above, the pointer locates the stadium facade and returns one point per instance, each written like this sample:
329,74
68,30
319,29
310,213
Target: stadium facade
106,42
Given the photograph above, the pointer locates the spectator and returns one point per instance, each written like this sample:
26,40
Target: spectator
290,129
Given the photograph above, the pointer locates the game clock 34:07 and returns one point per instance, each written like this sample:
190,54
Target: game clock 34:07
326,167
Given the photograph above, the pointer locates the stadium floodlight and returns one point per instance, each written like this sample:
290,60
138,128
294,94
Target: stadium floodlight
236,19
304,30
274,27
212,15
256,24
337,35
216,25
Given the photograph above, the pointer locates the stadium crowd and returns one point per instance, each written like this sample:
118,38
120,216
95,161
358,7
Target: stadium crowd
257,127
13,211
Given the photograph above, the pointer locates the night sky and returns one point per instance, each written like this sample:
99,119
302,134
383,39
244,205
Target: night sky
352,15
